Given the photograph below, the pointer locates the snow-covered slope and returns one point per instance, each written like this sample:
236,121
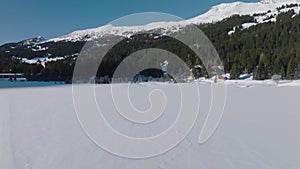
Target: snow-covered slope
32,41
27,43
266,8
126,31
259,130
225,10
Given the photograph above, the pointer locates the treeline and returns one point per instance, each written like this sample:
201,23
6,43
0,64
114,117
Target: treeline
265,49
11,55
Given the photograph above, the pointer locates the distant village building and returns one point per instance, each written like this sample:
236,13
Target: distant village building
13,76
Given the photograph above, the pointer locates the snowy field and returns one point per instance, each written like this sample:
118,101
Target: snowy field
39,129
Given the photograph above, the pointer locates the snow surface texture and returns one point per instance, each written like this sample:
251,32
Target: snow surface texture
267,9
259,129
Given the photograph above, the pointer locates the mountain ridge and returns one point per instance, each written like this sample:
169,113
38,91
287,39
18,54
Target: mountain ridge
215,14
265,42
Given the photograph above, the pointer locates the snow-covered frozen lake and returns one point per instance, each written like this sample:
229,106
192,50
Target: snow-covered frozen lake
259,129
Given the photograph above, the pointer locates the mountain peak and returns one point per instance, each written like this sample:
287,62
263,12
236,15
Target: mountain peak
279,1
32,41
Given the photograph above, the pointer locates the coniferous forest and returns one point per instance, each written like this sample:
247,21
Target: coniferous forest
264,50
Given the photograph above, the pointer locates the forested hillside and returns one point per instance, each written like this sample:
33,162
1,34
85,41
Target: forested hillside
264,49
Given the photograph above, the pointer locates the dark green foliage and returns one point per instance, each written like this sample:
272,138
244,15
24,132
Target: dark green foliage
144,41
265,49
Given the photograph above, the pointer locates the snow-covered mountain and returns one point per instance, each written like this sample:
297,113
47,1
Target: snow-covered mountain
264,11
31,42
40,51
225,10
